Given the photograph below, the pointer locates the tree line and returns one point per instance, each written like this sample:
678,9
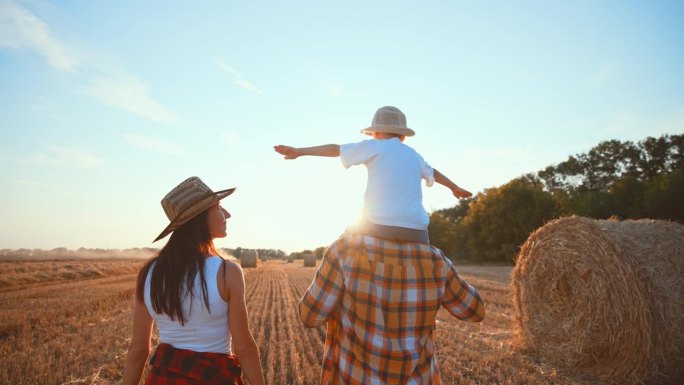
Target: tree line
277,254
619,179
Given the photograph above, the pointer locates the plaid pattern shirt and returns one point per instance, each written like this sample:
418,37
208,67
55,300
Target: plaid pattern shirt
380,299
172,366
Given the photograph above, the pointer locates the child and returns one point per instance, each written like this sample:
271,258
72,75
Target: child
393,206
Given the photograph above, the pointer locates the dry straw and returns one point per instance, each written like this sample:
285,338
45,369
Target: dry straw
604,299
309,260
248,258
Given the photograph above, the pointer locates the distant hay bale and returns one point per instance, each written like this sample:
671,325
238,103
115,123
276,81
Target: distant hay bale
290,259
248,258
604,299
309,260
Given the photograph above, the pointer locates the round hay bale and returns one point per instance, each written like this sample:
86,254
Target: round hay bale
604,299
248,258
309,260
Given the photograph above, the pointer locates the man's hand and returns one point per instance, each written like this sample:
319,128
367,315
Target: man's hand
287,151
461,193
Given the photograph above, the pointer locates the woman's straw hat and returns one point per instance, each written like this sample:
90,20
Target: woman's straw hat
188,199
389,120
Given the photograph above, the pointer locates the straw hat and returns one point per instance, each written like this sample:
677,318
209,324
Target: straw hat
188,199
389,120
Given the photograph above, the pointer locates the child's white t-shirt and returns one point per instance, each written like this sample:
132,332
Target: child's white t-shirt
393,195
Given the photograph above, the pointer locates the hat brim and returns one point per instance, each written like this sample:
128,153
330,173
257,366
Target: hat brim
194,210
388,130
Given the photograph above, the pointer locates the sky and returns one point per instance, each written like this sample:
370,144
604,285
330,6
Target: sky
106,106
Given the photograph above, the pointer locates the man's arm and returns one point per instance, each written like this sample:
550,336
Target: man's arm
321,298
461,299
329,150
457,191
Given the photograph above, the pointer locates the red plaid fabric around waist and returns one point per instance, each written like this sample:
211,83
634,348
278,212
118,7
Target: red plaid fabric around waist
172,366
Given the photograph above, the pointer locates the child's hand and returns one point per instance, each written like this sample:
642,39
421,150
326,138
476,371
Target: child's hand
289,152
461,193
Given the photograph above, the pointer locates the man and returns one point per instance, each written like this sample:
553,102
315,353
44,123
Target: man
379,298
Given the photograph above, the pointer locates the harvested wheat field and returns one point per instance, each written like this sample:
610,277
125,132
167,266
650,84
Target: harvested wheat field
68,322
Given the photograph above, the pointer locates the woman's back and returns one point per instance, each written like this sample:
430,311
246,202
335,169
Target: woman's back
204,330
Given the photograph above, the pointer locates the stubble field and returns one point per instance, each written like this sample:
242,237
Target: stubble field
68,322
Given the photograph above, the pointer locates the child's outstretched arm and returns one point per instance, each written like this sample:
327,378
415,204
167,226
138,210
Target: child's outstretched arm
457,191
295,152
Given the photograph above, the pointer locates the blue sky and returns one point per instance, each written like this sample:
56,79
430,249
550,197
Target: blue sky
106,106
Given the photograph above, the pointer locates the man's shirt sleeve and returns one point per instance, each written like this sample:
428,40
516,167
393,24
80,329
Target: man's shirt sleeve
461,299
321,298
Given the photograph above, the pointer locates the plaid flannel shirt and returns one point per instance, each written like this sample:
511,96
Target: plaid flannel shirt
380,299
172,366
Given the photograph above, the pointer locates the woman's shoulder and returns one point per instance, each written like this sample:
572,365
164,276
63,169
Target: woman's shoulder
232,269
230,279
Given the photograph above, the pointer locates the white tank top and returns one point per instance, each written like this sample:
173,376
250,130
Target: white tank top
203,331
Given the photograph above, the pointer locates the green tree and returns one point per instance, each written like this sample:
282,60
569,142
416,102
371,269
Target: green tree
443,234
663,197
318,252
620,179
501,219
626,198
458,212
448,233
609,161
658,156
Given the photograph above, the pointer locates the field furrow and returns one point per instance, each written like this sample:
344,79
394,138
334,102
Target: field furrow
76,329
70,331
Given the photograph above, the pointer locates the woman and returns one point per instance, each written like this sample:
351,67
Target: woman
196,299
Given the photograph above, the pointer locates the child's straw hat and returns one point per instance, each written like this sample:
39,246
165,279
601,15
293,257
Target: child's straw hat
389,120
188,199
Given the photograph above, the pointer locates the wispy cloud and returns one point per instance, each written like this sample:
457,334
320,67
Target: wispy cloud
20,29
153,144
67,157
247,85
237,78
230,71
131,95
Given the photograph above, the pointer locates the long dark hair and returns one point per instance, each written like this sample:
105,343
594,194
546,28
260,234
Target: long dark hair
176,266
